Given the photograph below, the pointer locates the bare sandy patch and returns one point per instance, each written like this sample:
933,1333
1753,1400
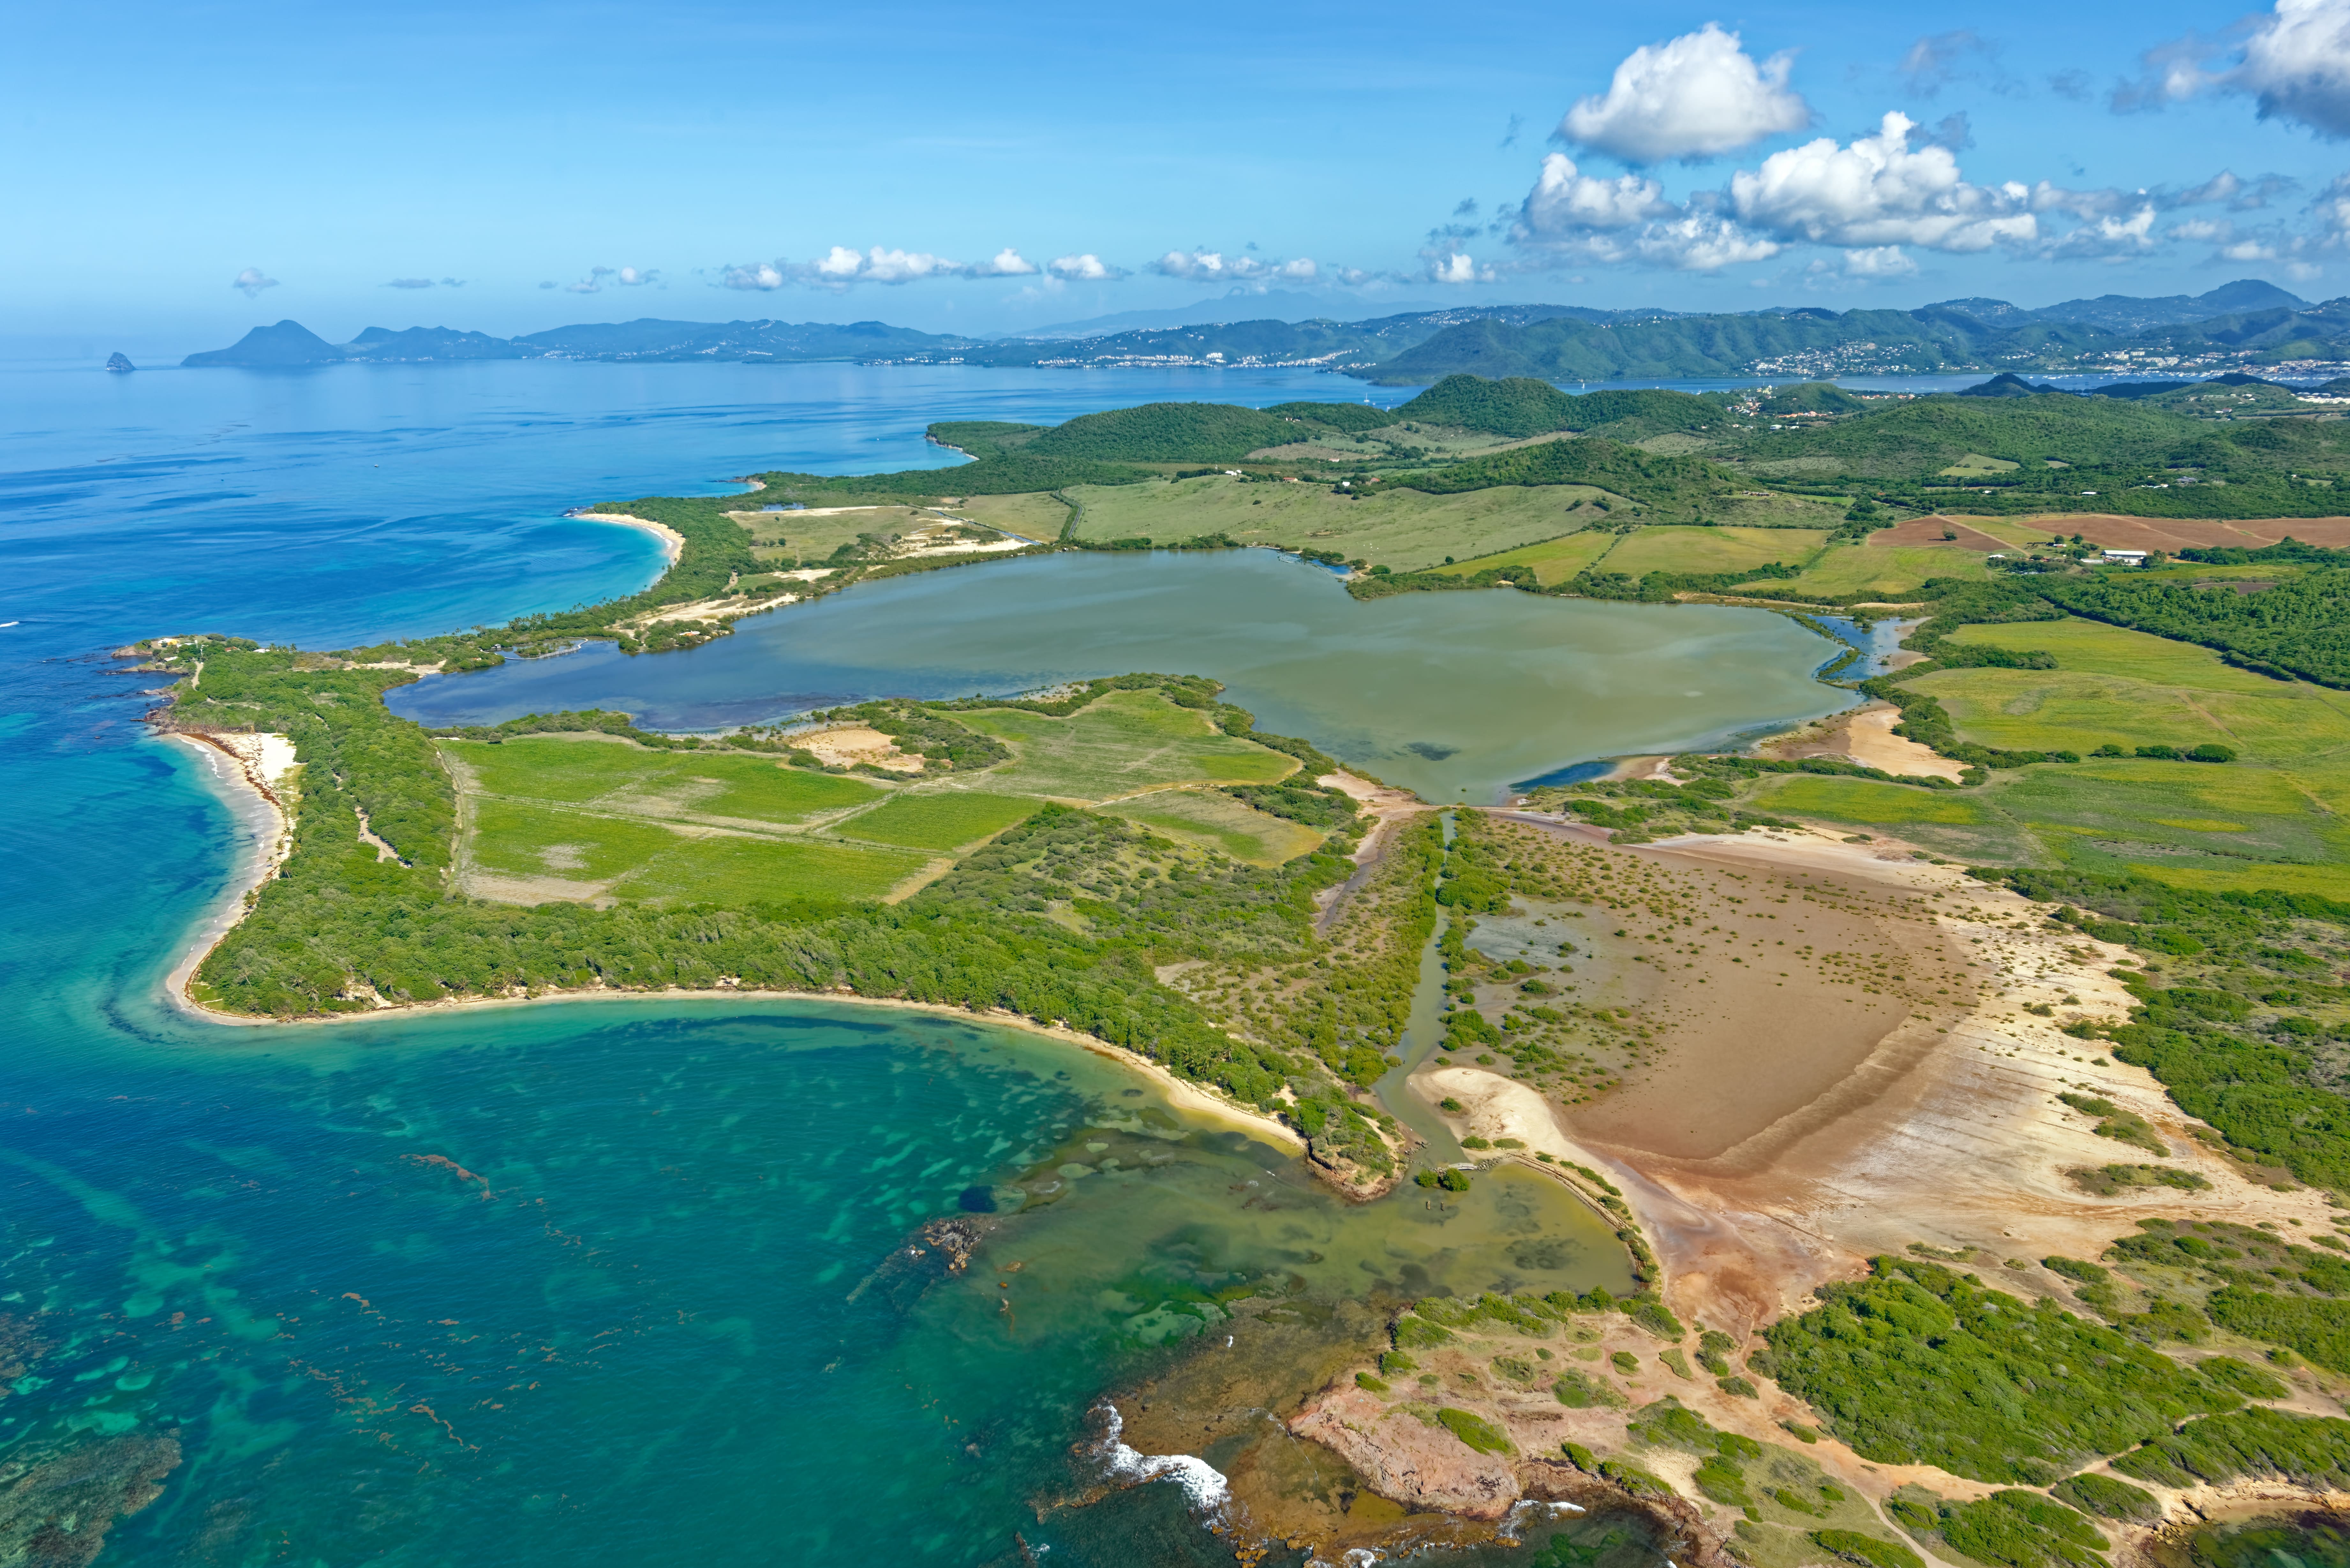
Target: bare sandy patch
1864,735
847,746
1787,1134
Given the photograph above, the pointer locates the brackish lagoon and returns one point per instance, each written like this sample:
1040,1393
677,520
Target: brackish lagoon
1456,696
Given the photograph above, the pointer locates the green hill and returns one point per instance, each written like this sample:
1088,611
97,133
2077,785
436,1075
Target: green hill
1522,406
1668,489
1514,405
1192,432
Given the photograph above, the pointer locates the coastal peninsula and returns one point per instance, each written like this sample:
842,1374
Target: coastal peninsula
2014,1005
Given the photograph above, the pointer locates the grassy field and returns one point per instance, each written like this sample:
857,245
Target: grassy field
1867,804
1886,572
636,859
1120,745
620,775
2274,819
1030,516
1406,530
937,819
1687,549
1219,822
1554,560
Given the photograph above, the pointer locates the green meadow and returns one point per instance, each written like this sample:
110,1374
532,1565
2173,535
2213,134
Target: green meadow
1886,572
1704,549
1554,560
1120,745
2276,817
621,776
640,860
937,819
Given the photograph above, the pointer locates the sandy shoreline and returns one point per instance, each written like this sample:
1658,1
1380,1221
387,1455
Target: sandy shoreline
267,837
672,543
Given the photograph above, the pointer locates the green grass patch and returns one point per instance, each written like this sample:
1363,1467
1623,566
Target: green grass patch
1886,572
2091,647
1703,550
1868,1551
640,860
937,819
1864,801
1554,560
620,775
1119,744
1475,1431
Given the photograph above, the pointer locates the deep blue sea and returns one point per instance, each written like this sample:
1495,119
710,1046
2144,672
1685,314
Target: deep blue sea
580,1284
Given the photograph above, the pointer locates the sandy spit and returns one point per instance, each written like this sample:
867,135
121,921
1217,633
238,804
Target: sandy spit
672,543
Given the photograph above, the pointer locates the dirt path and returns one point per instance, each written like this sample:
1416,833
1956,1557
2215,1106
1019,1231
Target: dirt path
1386,807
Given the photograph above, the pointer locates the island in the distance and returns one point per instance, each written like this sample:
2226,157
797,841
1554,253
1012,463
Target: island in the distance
1960,1074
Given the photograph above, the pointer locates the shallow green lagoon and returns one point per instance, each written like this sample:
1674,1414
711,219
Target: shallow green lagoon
1454,695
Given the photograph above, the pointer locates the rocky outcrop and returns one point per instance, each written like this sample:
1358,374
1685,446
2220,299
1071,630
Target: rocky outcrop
120,364
1413,1461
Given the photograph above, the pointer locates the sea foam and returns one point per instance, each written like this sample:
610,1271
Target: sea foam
1204,1484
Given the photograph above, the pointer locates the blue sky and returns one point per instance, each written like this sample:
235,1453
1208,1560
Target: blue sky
929,165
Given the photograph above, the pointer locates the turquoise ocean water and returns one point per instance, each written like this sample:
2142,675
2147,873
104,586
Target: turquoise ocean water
580,1284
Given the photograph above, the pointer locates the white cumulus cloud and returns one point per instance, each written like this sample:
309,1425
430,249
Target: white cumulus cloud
1214,266
1879,191
1565,199
1570,216
1085,268
2294,63
636,276
1878,261
843,266
2297,65
251,282
1690,98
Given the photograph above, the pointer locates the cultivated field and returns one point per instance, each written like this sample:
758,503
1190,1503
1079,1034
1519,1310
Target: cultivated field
1402,529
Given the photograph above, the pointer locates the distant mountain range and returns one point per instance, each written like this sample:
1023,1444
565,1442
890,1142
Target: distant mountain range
1238,305
2242,323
